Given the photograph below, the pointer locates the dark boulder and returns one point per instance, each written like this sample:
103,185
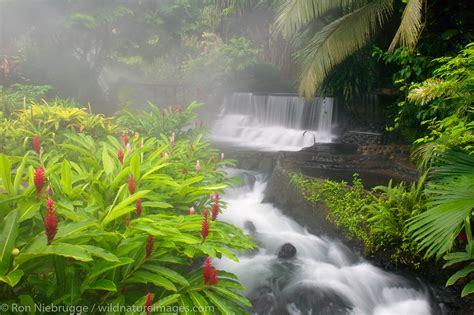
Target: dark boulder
287,251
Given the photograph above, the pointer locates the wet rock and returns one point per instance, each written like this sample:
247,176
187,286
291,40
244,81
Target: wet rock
287,251
249,226
263,300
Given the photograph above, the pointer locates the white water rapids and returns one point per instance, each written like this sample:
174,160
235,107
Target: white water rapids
323,278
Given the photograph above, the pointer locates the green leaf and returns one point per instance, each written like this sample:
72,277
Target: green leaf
75,252
168,273
157,204
27,211
8,237
103,284
460,274
123,207
5,173
135,166
66,178
468,289
221,304
169,300
101,253
148,277
200,302
107,162
19,174
232,296
12,278
102,267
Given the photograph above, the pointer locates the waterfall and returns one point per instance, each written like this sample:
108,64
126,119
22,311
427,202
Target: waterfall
274,122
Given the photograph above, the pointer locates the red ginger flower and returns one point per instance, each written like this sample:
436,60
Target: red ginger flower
139,206
51,221
205,226
148,303
149,245
36,144
215,210
120,155
131,185
217,195
39,181
214,278
209,273
207,270
125,139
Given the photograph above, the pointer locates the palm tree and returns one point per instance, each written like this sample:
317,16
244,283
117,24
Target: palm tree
344,35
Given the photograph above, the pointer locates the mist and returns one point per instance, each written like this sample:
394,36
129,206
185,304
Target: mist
121,54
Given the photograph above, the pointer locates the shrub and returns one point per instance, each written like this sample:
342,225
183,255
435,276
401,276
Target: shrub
99,226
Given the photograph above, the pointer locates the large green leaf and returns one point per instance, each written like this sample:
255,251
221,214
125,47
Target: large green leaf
168,273
72,251
5,173
66,178
201,303
8,236
123,207
148,277
107,161
468,289
12,278
19,174
103,284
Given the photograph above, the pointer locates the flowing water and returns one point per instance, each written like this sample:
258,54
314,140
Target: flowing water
324,277
274,122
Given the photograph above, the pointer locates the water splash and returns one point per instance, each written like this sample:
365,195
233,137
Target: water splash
274,122
325,277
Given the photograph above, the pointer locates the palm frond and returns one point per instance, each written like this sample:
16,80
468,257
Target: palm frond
338,40
450,202
410,27
296,14
451,164
449,205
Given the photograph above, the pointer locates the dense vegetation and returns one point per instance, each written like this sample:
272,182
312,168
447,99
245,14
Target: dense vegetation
435,217
93,213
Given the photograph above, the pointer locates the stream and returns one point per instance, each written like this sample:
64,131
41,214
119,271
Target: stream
324,277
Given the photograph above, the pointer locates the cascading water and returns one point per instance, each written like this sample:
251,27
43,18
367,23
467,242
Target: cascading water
274,122
324,277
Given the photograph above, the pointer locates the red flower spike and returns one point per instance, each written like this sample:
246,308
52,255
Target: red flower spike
205,228
125,138
205,213
131,185
149,245
207,272
39,181
139,206
36,144
50,221
148,303
120,155
217,195
215,211
214,277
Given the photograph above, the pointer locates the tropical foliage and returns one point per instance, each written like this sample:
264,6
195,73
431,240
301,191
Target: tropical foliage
99,219
342,34
377,218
